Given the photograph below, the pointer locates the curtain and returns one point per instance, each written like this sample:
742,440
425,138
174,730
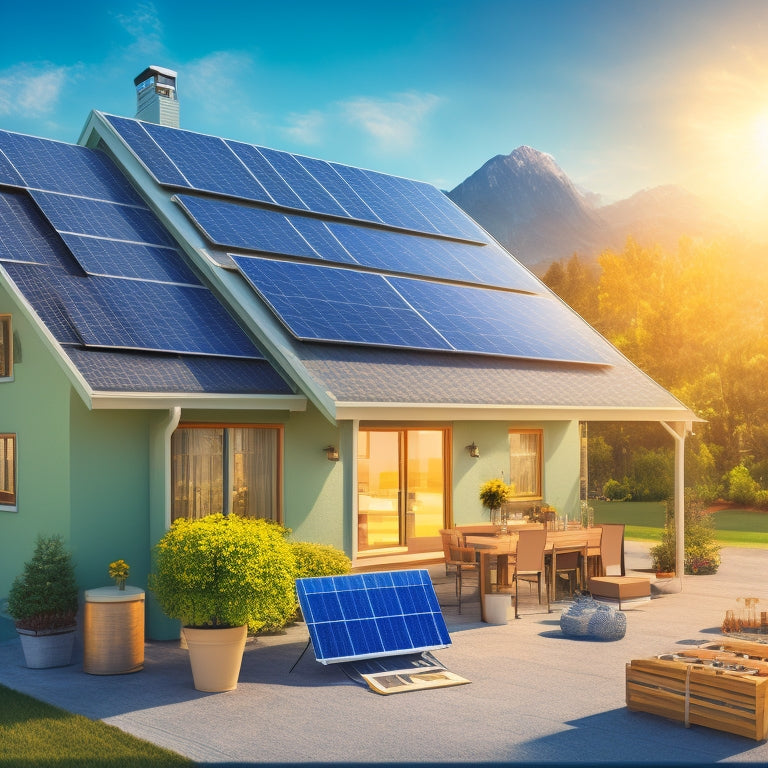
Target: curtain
525,463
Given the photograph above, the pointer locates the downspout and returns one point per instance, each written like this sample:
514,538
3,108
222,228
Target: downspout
174,416
679,431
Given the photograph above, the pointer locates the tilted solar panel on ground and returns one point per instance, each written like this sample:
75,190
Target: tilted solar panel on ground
367,615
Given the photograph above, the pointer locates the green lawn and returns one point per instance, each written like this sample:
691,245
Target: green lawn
645,521
36,734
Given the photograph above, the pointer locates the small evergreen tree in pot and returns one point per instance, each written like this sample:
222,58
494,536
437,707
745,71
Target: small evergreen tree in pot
44,597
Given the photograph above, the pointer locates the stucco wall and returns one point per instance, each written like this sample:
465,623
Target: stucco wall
34,406
561,464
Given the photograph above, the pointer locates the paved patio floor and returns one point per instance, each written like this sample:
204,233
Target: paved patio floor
535,697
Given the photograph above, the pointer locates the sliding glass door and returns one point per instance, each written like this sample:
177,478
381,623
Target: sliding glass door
401,488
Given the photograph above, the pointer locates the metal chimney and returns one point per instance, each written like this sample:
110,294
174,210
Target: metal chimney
156,96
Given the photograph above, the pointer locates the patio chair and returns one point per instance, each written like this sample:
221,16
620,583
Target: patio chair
612,549
529,562
568,567
450,537
464,560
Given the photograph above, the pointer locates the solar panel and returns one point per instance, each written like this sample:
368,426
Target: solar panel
367,615
115,258
240,226
502,322
67,168
207,162
130,314
25,235
331,304
146,149
8,174
101,218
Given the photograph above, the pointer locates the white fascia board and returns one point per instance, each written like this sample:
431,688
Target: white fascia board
227,284
469,412
200,401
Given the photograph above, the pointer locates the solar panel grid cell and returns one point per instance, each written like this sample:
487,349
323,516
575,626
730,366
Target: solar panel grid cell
322,240
8,174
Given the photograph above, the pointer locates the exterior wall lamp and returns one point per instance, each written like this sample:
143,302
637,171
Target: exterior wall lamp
331,453
474,450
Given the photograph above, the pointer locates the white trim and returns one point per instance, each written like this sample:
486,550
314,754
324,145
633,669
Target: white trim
497,412
159,401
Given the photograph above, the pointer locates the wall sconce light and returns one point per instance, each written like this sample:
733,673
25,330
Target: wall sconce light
331,453
474,451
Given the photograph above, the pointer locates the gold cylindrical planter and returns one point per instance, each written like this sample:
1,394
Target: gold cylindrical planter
215,656
113,631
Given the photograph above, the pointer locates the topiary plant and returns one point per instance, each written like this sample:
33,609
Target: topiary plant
44,597
319,560
225,572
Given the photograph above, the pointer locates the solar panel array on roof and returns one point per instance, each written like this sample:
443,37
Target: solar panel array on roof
319,303
95,263
367,615
418,273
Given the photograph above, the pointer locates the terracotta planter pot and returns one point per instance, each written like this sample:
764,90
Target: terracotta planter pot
215,656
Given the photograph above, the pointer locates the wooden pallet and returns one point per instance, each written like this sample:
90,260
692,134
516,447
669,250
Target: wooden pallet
698,694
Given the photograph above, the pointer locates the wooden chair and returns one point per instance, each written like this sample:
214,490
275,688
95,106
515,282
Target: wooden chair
568,565
612,549
529,562
464,560
450,537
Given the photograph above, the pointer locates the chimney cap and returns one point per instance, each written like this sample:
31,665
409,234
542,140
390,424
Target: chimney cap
153,69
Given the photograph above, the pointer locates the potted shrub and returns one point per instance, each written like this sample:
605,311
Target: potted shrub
221,576
43,603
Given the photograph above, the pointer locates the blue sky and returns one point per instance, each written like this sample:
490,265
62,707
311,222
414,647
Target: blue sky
624,94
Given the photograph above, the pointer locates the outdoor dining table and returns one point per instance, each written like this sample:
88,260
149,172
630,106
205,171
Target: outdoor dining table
502,545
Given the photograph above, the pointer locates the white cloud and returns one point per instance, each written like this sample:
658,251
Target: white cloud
395,124
144,26
213,88
33,90
306,128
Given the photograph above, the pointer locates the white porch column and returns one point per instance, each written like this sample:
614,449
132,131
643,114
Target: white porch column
679,430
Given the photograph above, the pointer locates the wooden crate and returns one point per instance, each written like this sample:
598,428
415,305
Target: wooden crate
700,695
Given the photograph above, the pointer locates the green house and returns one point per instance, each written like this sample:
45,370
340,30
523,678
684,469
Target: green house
190,324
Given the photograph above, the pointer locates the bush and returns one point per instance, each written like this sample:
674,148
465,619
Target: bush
225,572
702,552
44,596
742,487
319,560
616,491
652,474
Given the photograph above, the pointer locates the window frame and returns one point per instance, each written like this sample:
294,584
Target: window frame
226,497
6,342
538,492
9,498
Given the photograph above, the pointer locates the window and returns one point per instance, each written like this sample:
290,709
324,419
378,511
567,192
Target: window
6,347
8,470
525,452
226,469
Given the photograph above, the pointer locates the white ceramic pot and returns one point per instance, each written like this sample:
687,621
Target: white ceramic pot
215,656
47,649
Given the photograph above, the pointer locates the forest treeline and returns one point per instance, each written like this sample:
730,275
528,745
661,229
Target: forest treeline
695,319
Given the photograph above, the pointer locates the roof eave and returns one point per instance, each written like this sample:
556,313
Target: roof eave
127,401
502,412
